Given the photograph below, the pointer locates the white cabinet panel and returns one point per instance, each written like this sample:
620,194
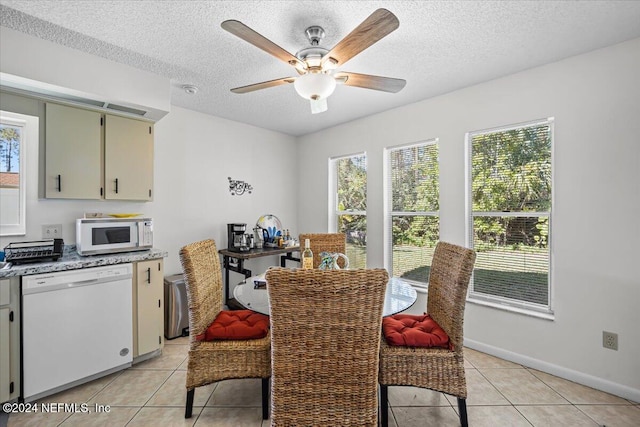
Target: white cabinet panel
9,338
73,153
5,355
150,306
128,159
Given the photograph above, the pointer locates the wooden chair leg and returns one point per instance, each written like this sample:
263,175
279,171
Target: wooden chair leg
462,407
384,405
265,398
189,406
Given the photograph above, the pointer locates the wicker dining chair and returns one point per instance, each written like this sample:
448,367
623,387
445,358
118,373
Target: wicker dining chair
440,369
325,336
324,242
211,361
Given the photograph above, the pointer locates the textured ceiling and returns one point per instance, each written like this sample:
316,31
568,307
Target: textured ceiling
439,47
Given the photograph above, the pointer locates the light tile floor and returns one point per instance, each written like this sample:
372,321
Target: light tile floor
501,393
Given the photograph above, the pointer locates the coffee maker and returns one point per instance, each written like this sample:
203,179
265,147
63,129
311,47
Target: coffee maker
236,237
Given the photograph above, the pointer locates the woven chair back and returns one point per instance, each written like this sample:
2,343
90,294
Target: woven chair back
203,280
325,336
449,276
324,242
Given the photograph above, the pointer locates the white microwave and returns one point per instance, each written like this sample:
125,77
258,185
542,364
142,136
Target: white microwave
112,235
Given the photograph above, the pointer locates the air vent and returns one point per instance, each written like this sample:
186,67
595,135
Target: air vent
77,99
125,109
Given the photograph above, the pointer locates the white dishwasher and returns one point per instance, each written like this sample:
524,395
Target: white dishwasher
76,326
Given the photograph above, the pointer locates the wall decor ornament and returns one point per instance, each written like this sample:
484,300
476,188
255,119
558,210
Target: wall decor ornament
239,187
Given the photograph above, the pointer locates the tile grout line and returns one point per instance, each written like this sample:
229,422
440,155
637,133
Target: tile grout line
495,388
173,371
92,395
183,406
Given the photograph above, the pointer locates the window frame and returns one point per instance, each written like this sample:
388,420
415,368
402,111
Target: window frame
510,304
389,213
27,124
334,213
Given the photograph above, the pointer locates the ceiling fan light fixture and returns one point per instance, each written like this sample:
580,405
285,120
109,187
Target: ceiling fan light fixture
316,65
315,86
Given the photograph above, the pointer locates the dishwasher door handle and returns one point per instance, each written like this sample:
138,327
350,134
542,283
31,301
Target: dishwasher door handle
83,283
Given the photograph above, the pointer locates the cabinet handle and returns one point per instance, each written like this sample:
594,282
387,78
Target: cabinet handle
149,275
116,185
59,183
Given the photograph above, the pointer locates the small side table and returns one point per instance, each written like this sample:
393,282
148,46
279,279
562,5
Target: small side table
233,260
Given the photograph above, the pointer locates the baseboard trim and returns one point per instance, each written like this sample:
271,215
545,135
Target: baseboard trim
621,390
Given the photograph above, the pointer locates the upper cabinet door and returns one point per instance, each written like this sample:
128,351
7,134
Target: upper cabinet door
73,165
128,159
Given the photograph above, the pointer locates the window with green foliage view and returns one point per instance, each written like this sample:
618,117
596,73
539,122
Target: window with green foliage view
13,137
351,205
510,200
413,208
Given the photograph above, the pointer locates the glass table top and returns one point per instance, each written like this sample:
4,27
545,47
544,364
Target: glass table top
399,296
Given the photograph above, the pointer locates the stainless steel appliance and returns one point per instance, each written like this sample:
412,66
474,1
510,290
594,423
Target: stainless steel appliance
176,307
236,237
76,326
111,235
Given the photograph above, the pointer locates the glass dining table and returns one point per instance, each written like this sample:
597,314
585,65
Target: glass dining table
252,294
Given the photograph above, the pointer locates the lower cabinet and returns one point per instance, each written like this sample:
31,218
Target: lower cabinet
148,307
9,339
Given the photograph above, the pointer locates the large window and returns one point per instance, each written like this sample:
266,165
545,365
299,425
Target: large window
509,184
412,223
348,186
13,136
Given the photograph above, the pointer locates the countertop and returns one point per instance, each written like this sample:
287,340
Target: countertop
72,261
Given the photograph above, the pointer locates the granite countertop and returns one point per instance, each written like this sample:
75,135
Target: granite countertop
70,260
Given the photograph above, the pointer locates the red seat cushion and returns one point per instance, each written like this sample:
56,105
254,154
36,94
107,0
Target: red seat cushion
414,331
236,325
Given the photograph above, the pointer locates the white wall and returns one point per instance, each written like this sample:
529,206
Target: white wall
595,99
195,153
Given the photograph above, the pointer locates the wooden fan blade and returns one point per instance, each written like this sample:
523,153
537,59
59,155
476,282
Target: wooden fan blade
379,24
263,85
385,84
238,29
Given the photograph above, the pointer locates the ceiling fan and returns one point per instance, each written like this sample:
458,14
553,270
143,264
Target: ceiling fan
317,66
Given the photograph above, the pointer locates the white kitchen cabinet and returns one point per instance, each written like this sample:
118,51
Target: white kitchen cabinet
128,159
148,317
9,339
74,160
90,155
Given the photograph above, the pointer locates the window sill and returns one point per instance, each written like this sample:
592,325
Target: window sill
546,315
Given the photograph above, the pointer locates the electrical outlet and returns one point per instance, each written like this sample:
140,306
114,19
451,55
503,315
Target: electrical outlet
52,231
610,340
